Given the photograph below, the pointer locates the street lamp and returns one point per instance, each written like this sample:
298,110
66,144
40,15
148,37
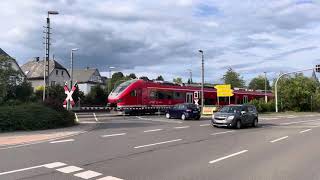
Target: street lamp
71,74
265,87
47,61
202,76
190,73
109,82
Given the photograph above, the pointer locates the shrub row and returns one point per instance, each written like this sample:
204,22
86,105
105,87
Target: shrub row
33,117
262,106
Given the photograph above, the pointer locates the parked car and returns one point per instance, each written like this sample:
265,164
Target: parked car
236,116
184,111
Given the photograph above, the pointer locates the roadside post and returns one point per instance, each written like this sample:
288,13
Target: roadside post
196,98
69,102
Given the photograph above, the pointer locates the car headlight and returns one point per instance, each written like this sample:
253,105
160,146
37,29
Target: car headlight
212,116
230,118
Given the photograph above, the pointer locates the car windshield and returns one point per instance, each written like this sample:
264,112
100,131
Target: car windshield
230,109
123,86
191,106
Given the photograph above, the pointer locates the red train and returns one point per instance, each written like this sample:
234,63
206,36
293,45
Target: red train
138,94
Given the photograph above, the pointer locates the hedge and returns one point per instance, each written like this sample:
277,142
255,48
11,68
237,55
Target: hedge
33,117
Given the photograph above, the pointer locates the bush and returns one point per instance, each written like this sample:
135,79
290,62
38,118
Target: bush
262,106
33,117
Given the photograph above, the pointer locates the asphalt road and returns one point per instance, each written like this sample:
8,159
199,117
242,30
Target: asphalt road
152,147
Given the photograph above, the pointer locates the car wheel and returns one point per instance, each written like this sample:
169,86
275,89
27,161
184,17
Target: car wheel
238,124
183,117
168,116
198,117
255,123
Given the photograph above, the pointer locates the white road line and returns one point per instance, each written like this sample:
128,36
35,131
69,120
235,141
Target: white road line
226,157
224,132
19,170
297,122
87,174
205,125
62,141
95,117
155,120
69,169
175,140
77,119
305,131
279,139
152,130
181,127
112,135
109,178
54,165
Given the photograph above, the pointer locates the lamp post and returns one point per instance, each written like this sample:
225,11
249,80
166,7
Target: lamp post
190,73
202,77
71,75
265,87
109,82
47,61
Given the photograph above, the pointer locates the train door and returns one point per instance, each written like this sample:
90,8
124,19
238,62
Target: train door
189,97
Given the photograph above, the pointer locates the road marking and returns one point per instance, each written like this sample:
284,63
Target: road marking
226,157
205,125
62,141
305,131
222,132
279,139
54,165
87,174
297,122
152,130
181,127
77,119
95,117
69,169
19,170
155,120
109,178
111,135
175,140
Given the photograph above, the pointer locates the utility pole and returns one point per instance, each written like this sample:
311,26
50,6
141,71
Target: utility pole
265,87
47,60
190,73
202,77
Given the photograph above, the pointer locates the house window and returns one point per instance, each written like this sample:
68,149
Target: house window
61,73
57,72
53,83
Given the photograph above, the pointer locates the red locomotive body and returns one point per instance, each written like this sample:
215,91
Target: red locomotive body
141,94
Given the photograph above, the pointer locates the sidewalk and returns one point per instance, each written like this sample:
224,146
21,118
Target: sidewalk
29,137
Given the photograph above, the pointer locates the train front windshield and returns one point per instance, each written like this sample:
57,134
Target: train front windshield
123,86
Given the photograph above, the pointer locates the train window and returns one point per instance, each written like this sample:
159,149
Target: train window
245,99
133,93
178,95
123,86
153,94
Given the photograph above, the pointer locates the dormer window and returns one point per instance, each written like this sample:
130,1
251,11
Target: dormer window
61,73
57,72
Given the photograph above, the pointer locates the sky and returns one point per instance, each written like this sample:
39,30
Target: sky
151,37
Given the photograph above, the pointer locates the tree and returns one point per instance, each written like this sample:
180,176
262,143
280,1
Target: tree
259,83
233,78
160,78
97,96
132,76
177,80
144,78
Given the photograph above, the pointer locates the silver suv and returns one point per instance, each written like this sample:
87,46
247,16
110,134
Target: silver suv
236,116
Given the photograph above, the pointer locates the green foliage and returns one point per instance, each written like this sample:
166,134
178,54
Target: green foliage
33,117
262,106
97,96
160,78
177,80
144,78
233,78
132,76
295,92
259,83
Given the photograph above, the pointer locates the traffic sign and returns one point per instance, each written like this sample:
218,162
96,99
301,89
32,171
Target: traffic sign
224,90
69,95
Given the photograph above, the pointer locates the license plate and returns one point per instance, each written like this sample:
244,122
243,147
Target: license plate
195,111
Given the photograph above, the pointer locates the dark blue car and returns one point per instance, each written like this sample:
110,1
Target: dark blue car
184,111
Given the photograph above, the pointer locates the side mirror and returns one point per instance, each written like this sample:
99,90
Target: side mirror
243,112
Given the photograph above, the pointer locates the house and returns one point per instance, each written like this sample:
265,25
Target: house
34,70
87,78
13,63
